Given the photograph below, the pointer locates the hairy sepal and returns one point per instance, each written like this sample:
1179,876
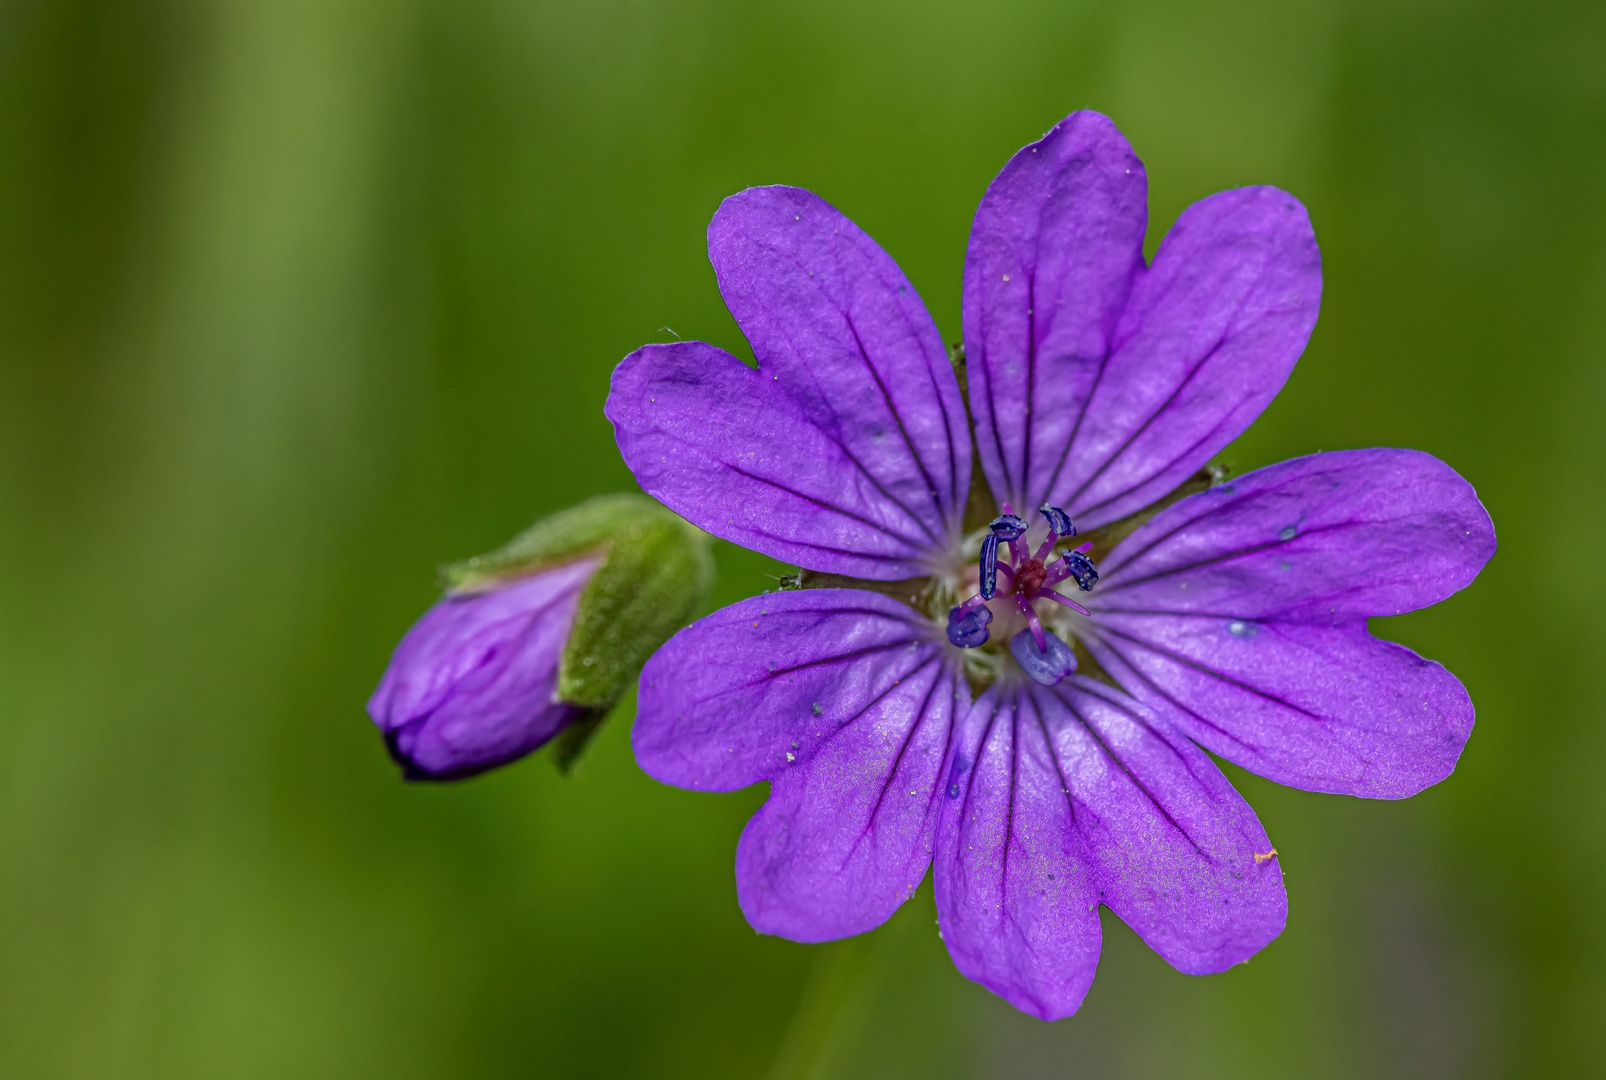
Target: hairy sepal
654,575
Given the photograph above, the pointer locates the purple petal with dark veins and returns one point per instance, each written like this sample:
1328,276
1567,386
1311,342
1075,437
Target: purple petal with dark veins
1017,898
471,685
731,450
1098,386
847,451
1076,796
1208,337
1239,615
844,699
838,329
1053,252
1174,844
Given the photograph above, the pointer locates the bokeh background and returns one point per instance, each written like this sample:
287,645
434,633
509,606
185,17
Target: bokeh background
301,298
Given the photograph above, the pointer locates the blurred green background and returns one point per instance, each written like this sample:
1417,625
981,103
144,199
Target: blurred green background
300,298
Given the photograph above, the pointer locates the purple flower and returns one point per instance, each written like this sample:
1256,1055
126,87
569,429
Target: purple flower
539,638
915,700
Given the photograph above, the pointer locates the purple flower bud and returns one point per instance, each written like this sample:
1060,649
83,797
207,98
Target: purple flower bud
540,637
474,683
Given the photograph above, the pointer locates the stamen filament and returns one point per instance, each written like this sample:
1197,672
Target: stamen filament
1050,594
1033,622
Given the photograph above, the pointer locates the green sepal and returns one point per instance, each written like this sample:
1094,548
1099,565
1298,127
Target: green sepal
654,575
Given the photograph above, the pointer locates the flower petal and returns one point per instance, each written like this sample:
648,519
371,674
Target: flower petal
846,835
849,362
835,322
472,684
731,451
1100,386
1239,615
1017,897
1209,336
1179,855
845,700
1054,250
1079,797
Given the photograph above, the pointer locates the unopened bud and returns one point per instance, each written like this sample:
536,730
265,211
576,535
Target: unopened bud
539,638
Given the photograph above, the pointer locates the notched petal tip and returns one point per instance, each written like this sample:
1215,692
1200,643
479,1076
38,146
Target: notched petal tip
1080,797
848,714
1239,614
838,328
1053,252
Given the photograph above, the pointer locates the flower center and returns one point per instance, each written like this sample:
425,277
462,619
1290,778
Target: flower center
1029,576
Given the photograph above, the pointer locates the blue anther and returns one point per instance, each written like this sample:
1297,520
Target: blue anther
989,566
1058,520
1007,527
967,627
1047,667
1080,567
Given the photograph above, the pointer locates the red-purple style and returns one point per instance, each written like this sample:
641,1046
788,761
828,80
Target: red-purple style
1025,699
